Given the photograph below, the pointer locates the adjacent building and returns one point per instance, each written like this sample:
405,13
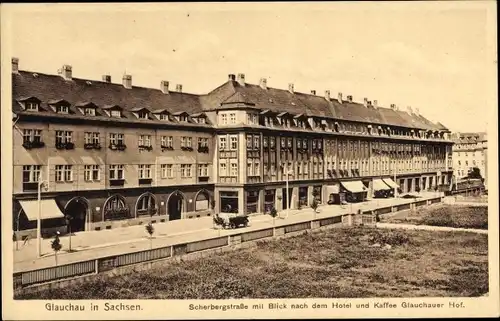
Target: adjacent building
107,154
470,150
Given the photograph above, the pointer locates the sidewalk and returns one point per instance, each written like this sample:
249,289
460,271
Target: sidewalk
92,244
429,228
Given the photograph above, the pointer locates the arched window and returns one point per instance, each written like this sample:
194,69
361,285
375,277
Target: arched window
202,201
146,205
115,208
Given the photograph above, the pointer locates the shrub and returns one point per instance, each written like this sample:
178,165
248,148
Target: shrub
393,238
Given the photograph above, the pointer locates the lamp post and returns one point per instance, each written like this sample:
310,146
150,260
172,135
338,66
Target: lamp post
39,220
287,172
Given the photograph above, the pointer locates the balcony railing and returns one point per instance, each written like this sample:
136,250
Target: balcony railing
30,186
187,148
119,146
145,181
145,147
66,145
166,147
117,182
92,146
203,149
33,144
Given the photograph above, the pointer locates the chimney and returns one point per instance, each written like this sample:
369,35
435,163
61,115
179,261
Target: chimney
263,83
349,98
106,78
65,72
410,110
290,88
178,88
313,92
369,103
339,98
375,104
15,65
127,81
231,77
417,111
393,106
241,79
164,86
365,102
327,95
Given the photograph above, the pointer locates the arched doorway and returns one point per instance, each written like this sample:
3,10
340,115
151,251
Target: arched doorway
115,208
202,201
146,205
175,205
77,208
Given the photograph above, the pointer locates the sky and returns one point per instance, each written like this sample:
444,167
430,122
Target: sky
434,56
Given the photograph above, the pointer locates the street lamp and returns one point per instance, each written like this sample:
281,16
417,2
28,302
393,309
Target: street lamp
39,220
287,172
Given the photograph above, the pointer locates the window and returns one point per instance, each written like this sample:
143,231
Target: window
164,116
299,143
62,109
64,173
142,114
186,141
91,173
256,142
255,119
145,140
31,173
92,138
116,113
89,111
116,139
272,141
234,169
185,170
32,135
63,137
265,142
249,142
290,142
256,169
232,118
116,172
167,141
202,120
202,142
203,170
182,118
249,167
166,171
304,143
144,171
283,142
223,119
466,163
32,106
222,169
234,142
222,143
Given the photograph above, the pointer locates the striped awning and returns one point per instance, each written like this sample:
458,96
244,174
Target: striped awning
354,186
379,185
390,182
48,209
332,189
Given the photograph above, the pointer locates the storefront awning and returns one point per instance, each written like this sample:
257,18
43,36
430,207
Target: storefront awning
390,182
332,189
354,186
49,209
379,185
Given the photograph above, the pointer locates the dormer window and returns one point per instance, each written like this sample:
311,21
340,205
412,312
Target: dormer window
163,117
89,111
62,109
201,120
142,115
182,118
32,105
116,113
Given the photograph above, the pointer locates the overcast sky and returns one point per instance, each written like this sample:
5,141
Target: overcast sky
436,56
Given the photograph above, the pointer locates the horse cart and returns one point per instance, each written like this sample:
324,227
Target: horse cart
231,221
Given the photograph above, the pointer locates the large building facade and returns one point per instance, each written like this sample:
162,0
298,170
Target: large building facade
114,154
470,150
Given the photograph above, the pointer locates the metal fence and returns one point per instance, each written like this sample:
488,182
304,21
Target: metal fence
58,272
330,221
206,244
246,237
142,256
297,227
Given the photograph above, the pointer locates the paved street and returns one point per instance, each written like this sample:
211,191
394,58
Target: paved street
92,244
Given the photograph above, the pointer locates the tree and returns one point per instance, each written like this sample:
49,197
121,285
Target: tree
56,245
273,214
150,230
474,172
69,218
212,204
314,205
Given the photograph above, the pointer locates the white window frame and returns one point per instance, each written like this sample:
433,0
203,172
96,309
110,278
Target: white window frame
115,113
32,106
202,170
144,171
116,169
223,119
92,173
234,142
223,169
232,118
34,173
